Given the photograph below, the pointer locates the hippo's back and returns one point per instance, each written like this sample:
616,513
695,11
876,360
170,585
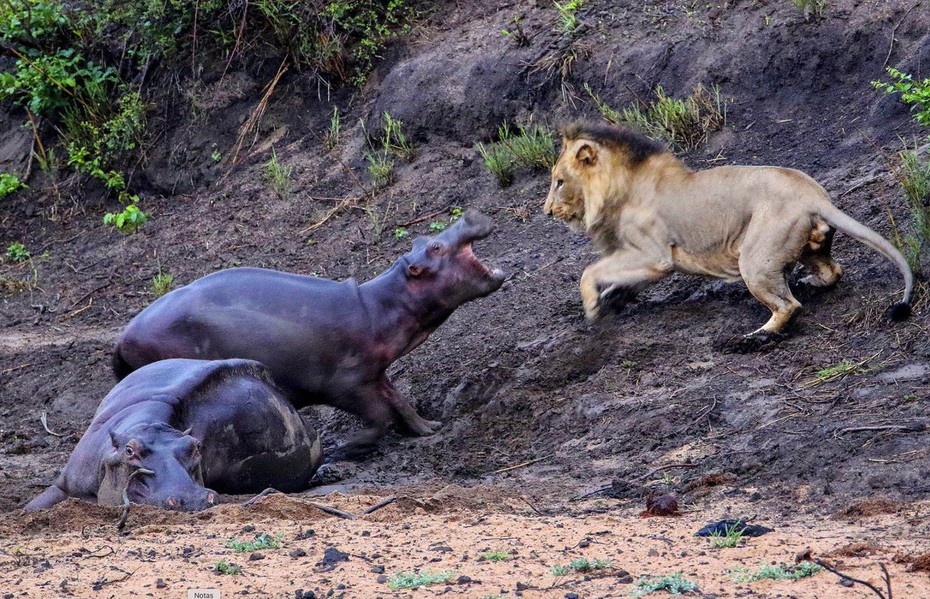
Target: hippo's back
249,313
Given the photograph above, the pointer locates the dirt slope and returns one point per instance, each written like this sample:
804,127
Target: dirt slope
519,376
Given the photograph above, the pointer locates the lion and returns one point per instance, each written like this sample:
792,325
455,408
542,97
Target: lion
650,215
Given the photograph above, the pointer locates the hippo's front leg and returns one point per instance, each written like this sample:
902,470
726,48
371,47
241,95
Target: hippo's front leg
406,414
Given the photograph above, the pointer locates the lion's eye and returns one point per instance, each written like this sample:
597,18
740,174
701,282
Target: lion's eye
559,183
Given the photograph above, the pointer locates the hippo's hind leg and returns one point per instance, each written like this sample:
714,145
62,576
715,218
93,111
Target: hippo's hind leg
406,414
379,404
47,499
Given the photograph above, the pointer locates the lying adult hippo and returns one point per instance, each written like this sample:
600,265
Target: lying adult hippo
324,342
171,432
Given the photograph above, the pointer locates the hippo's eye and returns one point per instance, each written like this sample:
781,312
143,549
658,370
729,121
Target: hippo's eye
435,247
129,451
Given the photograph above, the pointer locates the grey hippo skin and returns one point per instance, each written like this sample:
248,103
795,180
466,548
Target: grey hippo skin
325,342
173,431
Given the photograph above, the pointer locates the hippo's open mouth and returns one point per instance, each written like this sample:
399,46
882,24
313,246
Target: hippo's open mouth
467,254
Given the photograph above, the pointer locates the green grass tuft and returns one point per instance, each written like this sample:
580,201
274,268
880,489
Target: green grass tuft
414,580
676,584
581,564
779,572
261,541
529,147
494,556
682,122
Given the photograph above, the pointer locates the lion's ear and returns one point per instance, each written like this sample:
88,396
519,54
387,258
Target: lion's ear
586,155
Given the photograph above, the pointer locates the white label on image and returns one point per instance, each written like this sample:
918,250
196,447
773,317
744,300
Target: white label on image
203,594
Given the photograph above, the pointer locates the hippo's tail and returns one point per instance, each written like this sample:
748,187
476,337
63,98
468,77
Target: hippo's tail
121,367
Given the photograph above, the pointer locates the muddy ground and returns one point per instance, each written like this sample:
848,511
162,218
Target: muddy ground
643,399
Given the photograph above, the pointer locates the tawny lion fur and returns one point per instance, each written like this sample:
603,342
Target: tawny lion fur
650,215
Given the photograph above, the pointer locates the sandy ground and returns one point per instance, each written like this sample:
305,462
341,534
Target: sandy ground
75,550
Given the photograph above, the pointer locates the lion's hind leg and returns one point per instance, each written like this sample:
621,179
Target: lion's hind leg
824,272
767,255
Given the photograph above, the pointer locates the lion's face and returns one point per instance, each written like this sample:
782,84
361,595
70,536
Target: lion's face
566,195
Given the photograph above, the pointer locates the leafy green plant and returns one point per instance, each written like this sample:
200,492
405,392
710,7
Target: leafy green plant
9,183
779,572
223,567
580,564
414,580
437,225
531,147
17,252
277,176
331,138
811,7
676,584
568,20
261,541
455,214
685,123
216,155
731,536
915,93
401,233
494,556
127,221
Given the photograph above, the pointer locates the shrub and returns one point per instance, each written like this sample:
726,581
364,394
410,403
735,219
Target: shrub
675,584
8,184
17,252
127,221
914,93
780,572
413,580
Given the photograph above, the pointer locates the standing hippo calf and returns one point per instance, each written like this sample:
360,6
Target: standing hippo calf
240,435
324,342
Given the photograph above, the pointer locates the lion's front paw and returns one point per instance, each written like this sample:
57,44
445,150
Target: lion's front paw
592,310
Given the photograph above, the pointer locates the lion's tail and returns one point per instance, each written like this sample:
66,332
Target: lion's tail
853,228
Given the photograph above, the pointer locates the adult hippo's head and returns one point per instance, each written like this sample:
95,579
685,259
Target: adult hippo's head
157,465
444,269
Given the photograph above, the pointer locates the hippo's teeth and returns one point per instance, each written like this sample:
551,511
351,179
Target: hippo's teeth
497,272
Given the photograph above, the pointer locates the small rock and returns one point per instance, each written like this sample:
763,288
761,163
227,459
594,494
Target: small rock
571,595
295,553
523,587
377,569
845,583
248,528
583,543
463,580
256,556
382,579
332,556
160,584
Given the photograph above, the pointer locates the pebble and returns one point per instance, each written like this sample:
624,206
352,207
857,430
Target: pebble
297,553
